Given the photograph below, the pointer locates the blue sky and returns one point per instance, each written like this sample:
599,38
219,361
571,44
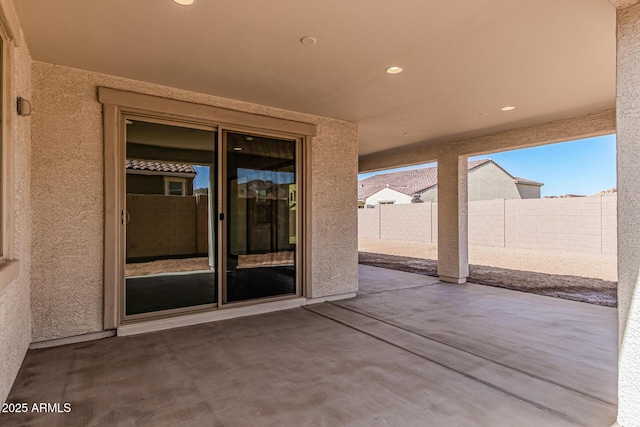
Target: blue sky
246,175
585,167
202,178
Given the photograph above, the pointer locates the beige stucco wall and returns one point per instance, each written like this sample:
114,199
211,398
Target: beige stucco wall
489,182
528,191
15,318
453,219
67,200
628,143
430,194
334,243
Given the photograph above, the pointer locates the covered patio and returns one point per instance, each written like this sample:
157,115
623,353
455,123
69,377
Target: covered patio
408,350
309,94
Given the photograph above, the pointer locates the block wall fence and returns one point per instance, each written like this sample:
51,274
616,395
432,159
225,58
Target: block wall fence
166,225
580,224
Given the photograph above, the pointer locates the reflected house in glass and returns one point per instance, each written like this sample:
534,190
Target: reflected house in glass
170,179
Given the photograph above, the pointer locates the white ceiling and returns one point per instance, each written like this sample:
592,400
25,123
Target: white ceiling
549,58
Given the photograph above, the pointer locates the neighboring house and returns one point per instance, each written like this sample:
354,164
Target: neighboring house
170,179
487,181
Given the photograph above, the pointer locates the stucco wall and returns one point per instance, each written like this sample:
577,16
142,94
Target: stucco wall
489,182
628,143
15,318
529,191
334,244
430,195
67,179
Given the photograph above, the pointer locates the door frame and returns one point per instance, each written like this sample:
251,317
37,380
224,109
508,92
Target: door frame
116,106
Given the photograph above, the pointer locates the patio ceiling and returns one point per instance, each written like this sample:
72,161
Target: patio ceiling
463,60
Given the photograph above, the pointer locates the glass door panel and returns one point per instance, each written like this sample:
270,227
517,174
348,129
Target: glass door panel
261,233
171,190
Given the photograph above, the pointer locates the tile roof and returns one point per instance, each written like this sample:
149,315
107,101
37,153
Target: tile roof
159,167
417,180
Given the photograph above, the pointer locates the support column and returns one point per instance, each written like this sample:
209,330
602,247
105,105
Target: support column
453,249
628,140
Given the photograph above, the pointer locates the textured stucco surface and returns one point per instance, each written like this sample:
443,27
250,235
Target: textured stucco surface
528,191
453,249
15,318
67,199
628,107
488,182
334,243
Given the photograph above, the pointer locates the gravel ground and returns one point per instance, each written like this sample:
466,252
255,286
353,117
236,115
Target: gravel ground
575,276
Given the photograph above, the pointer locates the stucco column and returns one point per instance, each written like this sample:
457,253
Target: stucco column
453,258
628,137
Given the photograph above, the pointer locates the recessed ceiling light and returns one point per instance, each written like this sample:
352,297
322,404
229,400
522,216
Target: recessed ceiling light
185,2
508,108
249,138
237,148
394,70
308,40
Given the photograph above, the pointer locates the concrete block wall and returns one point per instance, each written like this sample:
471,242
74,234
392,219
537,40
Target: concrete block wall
160,226
572,225
609,220
368,223
202,223
487,223
434,221
585,224
406,222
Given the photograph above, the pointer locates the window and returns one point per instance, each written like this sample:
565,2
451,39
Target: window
174,186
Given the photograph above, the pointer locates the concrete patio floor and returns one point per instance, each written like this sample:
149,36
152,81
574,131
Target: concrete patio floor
408,351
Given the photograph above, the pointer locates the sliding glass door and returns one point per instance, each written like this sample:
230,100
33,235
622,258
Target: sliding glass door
198,198
260,178
170,180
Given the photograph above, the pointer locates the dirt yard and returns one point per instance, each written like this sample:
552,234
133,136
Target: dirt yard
588,278
202,264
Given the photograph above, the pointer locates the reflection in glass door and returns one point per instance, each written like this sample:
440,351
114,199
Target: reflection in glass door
170,176
261,224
